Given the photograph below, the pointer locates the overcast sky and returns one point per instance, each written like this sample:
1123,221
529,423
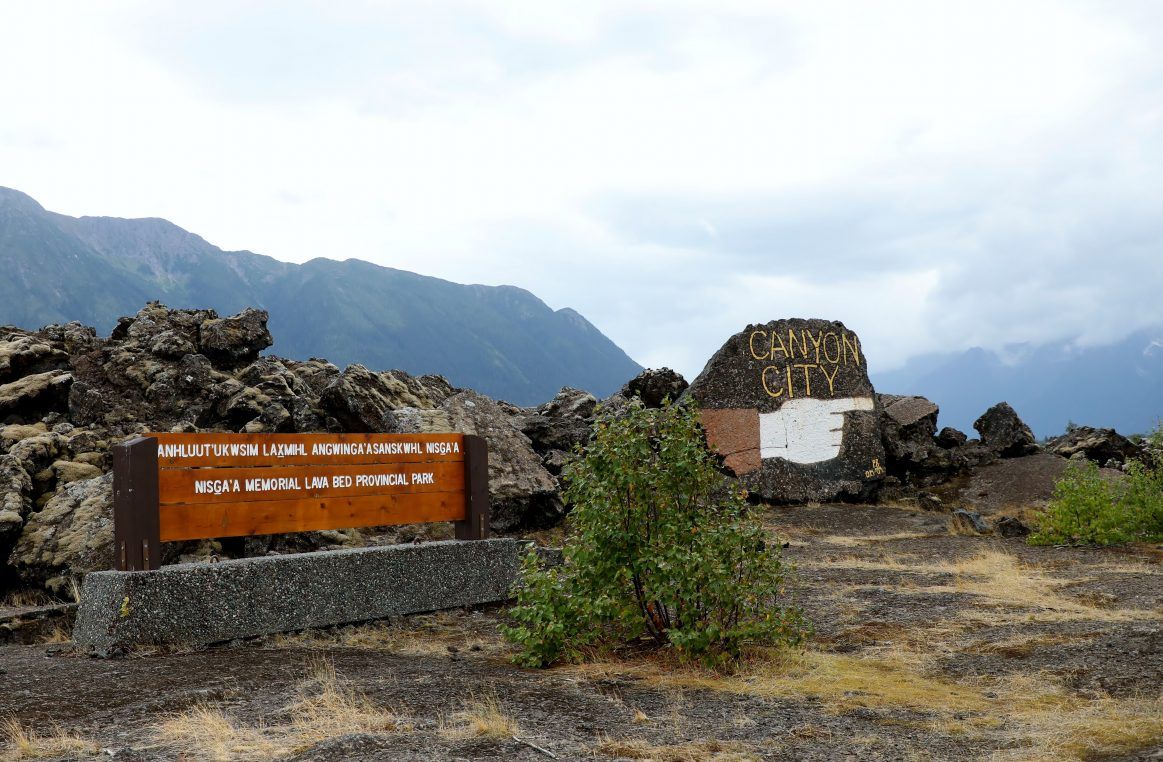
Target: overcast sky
937,175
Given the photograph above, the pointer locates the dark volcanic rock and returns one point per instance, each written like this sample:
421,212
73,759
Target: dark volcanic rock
235,340
907,428
1099,445
562,423
653,385
950,437
522,494
363,400
1010,526
28,398
969,522
1003,432
790,408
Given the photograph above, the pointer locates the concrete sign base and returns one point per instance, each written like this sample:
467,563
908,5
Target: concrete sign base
199,604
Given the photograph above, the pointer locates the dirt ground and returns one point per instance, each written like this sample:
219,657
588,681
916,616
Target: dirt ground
928,645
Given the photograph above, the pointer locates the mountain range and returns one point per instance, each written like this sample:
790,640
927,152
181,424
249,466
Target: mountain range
499,340
1117,386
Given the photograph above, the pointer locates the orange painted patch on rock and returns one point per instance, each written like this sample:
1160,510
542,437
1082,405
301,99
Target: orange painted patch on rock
734,433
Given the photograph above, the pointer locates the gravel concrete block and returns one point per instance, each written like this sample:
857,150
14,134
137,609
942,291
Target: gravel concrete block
199,604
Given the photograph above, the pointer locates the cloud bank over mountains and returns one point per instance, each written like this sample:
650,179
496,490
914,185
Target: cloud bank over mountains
936,176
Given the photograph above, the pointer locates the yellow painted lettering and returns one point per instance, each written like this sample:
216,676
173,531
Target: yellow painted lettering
751,345
791,392
836,341
831,378
774,348
854,345
816,344
791,340
766,388
807,377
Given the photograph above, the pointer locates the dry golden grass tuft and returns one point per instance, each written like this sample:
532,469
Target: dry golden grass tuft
694,751
1017,591
481,716
57,635
22,743
18,599
326,707
207,732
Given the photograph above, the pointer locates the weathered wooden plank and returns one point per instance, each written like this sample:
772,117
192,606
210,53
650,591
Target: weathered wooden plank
195,522
240,485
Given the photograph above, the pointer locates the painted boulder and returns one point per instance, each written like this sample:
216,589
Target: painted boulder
790,408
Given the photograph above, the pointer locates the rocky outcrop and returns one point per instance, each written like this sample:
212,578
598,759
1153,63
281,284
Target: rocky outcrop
66,396
235,340
907,427
1105,447
654,385
790,408
522,493
1003,432
70,536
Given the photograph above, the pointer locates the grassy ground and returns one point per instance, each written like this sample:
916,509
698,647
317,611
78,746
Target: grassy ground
929,645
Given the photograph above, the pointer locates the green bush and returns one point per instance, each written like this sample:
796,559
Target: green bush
1088,508
661,546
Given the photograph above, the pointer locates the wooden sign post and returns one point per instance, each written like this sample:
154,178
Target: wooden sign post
169,487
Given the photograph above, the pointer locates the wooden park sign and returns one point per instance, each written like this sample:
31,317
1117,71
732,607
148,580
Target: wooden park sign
170,487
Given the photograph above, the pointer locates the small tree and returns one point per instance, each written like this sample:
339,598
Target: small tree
661,545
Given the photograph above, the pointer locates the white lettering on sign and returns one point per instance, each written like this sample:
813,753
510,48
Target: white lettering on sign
442,448
365,448
232,450
274,484
807,430
426,477
215,486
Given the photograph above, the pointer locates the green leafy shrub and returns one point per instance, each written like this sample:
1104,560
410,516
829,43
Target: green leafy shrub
1088,508
661,546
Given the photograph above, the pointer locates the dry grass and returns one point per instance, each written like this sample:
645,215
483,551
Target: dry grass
326,707
481,716
1032,710
58,634
428,635
855,541
207,732
22,743
695,751
25,598
1017,591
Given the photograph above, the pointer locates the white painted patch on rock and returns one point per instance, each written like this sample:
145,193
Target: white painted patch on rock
807,430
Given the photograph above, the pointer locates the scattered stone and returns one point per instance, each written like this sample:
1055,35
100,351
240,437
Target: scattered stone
29,398
907,426
237,340
522,494
1010,526
654,385
969,522
950,437
1100,445
70,536
563,422
790,408
1004,432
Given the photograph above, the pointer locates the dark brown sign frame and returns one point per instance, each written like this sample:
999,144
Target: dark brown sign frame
372,483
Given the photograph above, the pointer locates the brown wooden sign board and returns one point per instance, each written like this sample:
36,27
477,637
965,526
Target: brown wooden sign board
170,487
